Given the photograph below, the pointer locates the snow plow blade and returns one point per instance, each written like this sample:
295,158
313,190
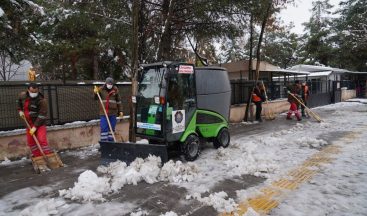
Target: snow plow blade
128,152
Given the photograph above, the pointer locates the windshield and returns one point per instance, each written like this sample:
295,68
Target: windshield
150,82
149,111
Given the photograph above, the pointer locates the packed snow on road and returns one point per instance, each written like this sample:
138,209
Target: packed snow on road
337,189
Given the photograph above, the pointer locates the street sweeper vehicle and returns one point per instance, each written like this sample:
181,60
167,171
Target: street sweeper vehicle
178,108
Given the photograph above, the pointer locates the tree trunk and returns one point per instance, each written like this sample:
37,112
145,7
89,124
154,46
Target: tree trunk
134,67
143,36
249,69
258,52
165,42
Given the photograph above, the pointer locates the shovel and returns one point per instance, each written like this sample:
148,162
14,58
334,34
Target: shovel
52,159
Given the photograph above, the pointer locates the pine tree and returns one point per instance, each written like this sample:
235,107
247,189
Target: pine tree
317,48
350,40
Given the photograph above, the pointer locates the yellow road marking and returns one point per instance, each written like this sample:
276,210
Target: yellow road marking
271,196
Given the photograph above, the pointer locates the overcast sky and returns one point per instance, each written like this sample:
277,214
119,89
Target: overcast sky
300,13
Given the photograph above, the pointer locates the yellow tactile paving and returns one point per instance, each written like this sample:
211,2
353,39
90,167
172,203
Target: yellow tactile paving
271,195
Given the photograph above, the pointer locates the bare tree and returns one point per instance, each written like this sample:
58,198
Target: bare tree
8,68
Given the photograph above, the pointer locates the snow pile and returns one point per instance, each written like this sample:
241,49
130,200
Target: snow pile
139,213
148,170
89,187
218,201
178,172
121,174
252,162
170,213
311,142
44,207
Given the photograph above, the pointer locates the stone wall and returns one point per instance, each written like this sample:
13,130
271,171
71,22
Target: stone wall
69,136
348,94
237,112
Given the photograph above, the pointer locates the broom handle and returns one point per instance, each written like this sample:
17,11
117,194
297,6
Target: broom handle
266,96
317,117
105,113
35,139
271,114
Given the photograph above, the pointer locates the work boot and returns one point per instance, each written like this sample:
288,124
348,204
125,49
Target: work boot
54,161
39,164
289,118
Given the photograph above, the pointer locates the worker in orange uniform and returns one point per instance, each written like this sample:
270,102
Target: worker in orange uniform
258,97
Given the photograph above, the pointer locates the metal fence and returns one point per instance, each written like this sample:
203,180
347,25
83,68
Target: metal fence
66,103
75,102
242,89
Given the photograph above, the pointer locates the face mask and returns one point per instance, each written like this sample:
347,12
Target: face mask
109,86
33,95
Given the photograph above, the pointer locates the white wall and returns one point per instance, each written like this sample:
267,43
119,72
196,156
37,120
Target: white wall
22,71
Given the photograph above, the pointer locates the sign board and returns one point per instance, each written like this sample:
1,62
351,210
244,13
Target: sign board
150,126
186,69
178,121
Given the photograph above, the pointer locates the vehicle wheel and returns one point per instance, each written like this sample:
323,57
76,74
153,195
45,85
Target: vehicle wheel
191,148
223,139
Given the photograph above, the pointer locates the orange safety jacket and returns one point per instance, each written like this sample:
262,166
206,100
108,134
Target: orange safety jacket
255,95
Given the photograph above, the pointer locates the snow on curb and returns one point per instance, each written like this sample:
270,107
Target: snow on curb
90,187
7,162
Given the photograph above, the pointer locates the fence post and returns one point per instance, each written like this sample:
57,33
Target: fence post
50,104
57,105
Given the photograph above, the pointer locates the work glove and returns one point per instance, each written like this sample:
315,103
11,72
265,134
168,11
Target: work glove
21,114
96,90
32,131
288,92
121,114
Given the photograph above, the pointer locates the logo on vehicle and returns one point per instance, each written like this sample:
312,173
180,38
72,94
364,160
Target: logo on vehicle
178,117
